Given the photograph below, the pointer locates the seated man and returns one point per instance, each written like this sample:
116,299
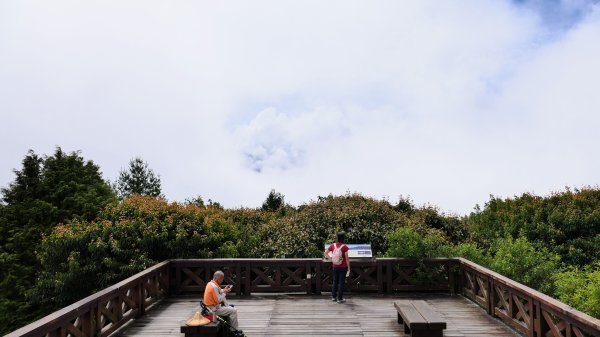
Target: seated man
215,299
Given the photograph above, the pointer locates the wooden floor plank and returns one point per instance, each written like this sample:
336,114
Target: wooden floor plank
315,316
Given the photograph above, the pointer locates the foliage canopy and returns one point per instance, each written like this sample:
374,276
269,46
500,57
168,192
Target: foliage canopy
65,235
46,191
138,179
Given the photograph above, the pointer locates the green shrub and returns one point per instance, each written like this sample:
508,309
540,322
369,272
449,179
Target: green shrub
566,223
424,242
580,288
519,260
429,217
305,232
410,243
471,252
418,244
82,257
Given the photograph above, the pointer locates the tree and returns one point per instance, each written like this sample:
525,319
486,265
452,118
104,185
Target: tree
196,201
138,179
580,288
274,202
519,260
46,191
565,222
405,205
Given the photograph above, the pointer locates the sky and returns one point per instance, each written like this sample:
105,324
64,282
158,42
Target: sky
445,102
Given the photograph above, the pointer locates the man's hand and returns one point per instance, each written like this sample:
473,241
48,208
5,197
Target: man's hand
227,290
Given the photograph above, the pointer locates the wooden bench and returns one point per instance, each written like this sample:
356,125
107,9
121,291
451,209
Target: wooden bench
419,319
212,329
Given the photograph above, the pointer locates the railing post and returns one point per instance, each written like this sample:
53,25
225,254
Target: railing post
543,324
379,277
95,314
389,276
319,278
537,326
118,310
207,273
491,297
451,280
137,298
167,278
308,279
531,327
490,304
278,275
511,305
461,279
142,296
177,277
87,323
97,319
238,279
248,287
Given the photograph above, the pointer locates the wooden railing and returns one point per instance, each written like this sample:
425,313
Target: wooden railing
528,311
102,313
313,276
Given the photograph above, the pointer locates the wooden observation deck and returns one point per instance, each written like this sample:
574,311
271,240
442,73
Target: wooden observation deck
283,297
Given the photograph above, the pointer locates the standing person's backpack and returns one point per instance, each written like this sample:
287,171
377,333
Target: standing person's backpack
336,257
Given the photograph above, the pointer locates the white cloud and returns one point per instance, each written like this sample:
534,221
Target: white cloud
279,140
444,101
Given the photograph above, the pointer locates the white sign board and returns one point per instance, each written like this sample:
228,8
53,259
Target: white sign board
357,250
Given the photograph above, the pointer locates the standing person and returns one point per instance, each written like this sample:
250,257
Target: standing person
340,264
215,299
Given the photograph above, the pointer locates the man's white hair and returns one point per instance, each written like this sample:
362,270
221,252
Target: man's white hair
218,274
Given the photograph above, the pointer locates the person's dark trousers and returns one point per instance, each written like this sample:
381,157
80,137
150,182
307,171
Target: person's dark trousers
339,280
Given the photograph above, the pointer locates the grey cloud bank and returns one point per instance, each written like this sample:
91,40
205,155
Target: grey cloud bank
447,102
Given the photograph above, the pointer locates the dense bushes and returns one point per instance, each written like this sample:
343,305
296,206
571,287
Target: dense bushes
519,260
128,237
530,239
305,232
408,242
46,191
140,231
580,288
365,220
516,259
551,243
566,223
84,256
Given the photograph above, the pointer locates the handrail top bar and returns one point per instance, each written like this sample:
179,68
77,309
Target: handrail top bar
245,259
536,295
429,259
315,259
81,305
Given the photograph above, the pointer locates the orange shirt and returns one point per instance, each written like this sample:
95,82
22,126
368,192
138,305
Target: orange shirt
210,295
